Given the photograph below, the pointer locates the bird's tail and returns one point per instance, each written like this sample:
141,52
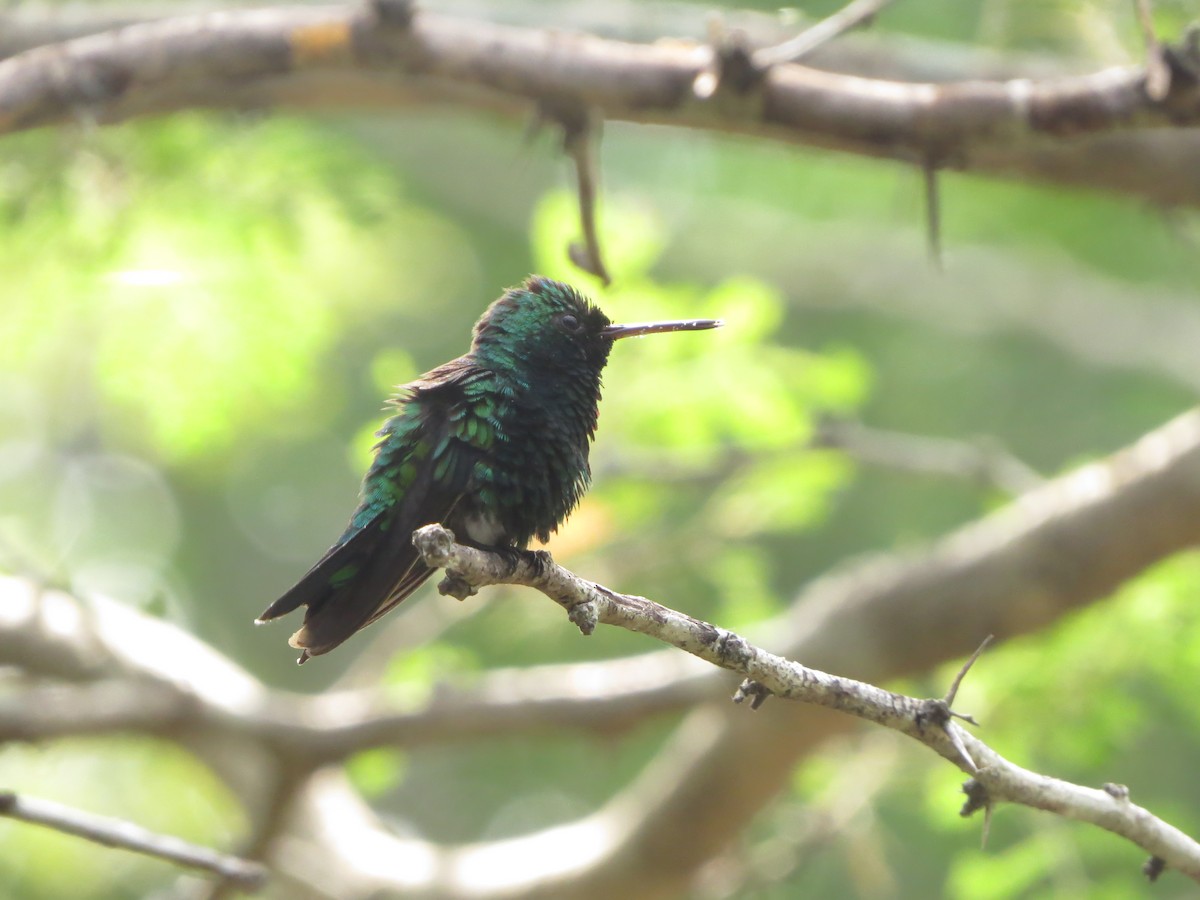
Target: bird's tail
351,586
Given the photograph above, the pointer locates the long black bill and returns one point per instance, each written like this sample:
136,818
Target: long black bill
640,328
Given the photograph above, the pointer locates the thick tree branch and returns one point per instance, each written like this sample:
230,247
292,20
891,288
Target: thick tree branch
894,57
111,832
337,56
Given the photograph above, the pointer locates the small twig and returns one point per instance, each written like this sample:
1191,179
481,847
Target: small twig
1158,73
978,798
396,13
578,129
933,212
249,876
270,822
850,16
982,459
751,690
962,673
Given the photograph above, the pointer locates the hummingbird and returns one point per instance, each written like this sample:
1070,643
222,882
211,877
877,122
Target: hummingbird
493,445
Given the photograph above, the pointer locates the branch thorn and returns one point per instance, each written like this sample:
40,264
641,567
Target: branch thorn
1154,867
962,673
454,585
933,212
578,130
753,691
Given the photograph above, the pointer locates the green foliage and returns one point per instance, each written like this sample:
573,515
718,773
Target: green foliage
1101,692
1129,650
195,329
412,676
703,400
377,771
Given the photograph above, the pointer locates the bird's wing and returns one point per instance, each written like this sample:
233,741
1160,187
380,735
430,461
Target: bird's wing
422,469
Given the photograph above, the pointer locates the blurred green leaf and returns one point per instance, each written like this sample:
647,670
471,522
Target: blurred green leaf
1016,871
377,771
201,327
413,675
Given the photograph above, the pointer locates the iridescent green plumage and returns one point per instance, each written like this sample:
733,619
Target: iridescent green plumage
494,445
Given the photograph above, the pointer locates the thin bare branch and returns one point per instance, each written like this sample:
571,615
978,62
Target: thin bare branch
588,603
46,712
982,459
856,13
110,832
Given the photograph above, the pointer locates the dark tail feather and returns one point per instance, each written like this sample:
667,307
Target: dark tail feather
349,587
315,585
355,607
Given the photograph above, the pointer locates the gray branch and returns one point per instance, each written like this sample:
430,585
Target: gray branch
353,56
983,460
111,832
928,721
603,699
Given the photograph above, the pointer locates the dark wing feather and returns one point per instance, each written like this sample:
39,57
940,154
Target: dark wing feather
421,470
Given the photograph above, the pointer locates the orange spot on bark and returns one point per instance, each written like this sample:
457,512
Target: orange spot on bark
320,42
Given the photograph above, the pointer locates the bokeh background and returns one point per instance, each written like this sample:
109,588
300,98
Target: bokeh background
201,315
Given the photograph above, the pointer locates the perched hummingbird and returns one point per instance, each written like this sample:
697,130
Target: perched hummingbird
493,445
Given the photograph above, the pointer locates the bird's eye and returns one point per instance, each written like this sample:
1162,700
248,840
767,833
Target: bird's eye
570,323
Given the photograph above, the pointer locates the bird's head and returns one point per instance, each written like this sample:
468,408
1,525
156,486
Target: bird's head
548,325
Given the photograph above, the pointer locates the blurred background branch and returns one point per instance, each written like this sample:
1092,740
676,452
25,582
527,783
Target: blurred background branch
127,836
315,58
982,459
